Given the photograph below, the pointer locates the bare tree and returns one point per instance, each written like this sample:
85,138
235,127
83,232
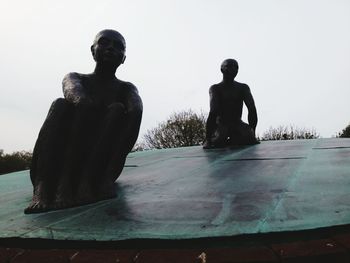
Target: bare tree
290,132
139,147
185,128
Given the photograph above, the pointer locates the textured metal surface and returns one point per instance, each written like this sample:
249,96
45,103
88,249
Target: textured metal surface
191,192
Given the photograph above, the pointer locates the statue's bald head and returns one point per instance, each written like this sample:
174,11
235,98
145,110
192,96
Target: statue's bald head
109,47
112,34
229,66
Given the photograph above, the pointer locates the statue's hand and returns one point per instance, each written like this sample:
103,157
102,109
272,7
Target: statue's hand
255,140
253,131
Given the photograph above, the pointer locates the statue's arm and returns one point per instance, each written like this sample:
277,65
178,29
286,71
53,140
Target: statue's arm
73,89
213,113
134,108
249,102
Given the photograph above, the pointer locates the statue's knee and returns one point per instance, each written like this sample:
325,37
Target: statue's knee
117,107
59,103
59,108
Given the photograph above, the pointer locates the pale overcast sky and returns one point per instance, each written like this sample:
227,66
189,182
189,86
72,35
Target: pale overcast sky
294,55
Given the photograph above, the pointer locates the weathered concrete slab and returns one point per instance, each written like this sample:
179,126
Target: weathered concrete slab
191,193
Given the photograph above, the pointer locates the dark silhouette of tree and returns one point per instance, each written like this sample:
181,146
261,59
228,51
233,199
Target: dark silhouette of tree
289,133
16,161
345,133
185,128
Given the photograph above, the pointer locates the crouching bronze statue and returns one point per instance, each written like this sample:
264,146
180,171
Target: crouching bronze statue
83,143
224,125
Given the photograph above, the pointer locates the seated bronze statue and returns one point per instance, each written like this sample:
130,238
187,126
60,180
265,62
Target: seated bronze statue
224,125
83,143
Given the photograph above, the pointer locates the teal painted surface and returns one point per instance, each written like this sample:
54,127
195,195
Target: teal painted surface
191,193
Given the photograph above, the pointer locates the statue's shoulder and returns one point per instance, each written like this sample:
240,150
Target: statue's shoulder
215,87
74,78
128,87
131,96
242,86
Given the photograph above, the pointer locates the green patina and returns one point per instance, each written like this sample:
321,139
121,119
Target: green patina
191,193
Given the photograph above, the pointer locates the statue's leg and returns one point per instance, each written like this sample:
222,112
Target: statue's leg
125,139
242,134
108,146
47,156
83,124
